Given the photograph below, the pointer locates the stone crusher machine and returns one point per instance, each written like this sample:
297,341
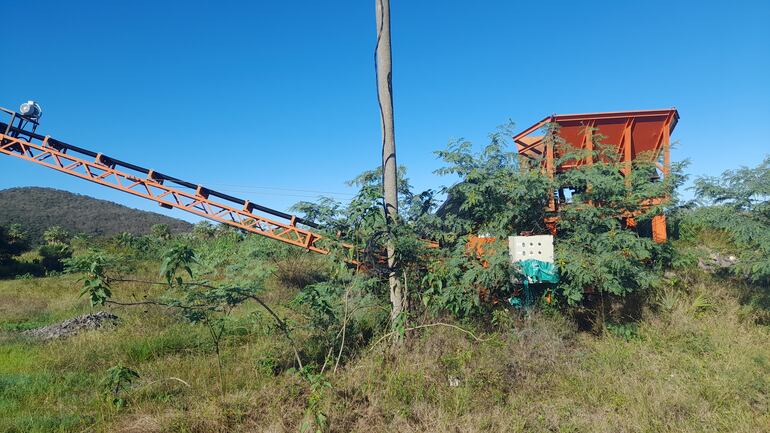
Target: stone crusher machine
634,133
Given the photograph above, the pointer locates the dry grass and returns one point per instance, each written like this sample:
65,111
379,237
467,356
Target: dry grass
699,364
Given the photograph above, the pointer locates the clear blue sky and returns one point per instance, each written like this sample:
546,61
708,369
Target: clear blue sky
247,97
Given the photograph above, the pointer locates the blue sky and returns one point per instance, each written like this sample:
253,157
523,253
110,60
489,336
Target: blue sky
274,101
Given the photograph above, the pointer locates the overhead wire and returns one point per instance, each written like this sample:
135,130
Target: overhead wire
257,188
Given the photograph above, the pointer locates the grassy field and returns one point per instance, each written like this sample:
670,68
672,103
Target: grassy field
699,363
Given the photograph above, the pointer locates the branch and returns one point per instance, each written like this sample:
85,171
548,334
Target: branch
344,327
157,303
449,325
281,324
160,283
167,378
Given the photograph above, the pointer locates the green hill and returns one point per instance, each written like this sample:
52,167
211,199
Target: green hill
37,209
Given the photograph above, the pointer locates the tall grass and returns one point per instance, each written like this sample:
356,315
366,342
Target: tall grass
698,361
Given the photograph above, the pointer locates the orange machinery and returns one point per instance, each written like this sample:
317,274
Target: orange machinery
635,135
634,132
18,138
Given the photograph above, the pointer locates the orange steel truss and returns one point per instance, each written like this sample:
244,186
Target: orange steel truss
635,134
103,170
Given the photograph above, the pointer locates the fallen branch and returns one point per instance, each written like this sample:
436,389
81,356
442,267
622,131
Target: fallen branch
429,325
165,379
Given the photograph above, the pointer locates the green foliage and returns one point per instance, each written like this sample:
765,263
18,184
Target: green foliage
56,235
322,300
161,232
179,258
13,241
37,209
17,238
498,195
118,379
593,250
616,261
199,301
502,319
319,386
495,196
140,244
94,264
362,221
52,256
738,204
343,313
454,283
745,189
626,331
204,230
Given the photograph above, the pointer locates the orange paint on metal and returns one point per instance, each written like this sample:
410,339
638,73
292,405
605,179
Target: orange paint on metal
197,203
475,247
636,135
659,229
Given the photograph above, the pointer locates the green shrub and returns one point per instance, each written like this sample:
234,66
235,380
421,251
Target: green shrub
53,257
13,241
738,205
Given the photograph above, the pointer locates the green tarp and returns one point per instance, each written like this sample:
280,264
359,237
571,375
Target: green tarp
535,272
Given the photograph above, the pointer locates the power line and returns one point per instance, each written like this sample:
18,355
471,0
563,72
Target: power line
257,188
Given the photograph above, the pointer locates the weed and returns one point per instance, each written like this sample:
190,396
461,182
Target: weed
118,379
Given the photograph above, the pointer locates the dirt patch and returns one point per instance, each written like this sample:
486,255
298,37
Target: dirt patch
70,327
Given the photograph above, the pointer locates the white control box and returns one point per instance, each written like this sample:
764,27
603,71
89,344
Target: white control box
538,247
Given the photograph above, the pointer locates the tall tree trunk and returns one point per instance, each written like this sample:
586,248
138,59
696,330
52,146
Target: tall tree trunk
398,296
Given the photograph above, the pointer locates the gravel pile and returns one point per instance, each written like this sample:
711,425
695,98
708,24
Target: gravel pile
74,326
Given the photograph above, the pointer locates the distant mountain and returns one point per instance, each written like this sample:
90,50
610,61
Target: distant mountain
37,209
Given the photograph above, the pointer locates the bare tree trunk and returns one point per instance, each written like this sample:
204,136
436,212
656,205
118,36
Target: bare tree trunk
398,296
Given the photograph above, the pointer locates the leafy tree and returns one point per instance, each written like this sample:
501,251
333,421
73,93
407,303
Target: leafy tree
199,301
18,237
744,190
13,241
496,195
179,257
594,252
56,249
56,235
161,232
738,204
342,312
204,230
362,221
52,256
96,282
